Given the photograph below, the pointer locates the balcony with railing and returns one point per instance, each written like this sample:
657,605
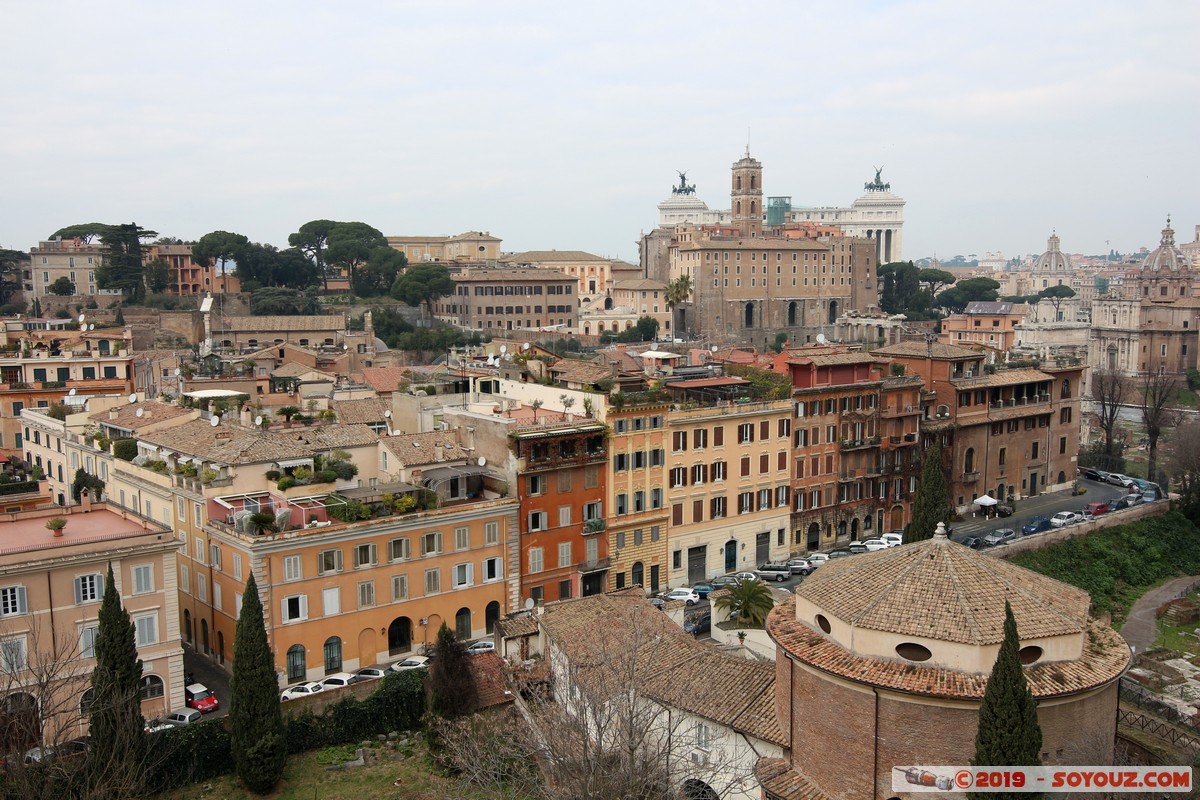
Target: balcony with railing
858,444
892,412
970,477
595,565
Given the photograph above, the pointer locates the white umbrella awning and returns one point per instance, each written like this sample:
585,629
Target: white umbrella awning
986,500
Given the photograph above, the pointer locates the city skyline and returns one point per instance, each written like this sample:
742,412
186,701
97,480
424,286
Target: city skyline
563,128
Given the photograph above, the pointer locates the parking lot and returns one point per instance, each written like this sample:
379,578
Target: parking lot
1045,505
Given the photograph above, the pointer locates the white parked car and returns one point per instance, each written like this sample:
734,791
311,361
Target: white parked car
1118,479
486,646
412,662
339,679
685,593
1064,518
875,544
818,559
892,539
370,673
300,690
185,716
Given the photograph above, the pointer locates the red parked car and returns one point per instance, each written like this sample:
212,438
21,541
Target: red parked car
200,697
1097,508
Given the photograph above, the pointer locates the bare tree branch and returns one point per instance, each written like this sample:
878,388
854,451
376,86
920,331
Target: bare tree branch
1156,390
1109,390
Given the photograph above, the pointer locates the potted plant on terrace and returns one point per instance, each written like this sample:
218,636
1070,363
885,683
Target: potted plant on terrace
55,525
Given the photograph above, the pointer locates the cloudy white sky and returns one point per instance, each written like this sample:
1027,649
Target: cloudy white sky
561,124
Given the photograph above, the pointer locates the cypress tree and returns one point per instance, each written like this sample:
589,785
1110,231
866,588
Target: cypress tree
932,503
117,750
1009,734
256,724
451,682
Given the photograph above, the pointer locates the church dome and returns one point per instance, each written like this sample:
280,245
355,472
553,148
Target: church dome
1167,256
1054,259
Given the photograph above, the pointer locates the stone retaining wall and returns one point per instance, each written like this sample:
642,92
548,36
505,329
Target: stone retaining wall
1155,509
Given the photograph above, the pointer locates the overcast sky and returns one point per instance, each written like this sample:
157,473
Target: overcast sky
561,125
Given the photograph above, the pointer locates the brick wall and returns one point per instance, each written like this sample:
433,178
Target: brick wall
833,736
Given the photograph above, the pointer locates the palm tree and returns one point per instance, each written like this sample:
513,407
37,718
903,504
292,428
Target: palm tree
678,291
749,601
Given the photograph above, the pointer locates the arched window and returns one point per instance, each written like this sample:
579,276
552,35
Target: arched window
187,625
333,654
969,460
297,667
1066,389
85,702
749,315
462,623
833,311
791,314
638,573
854,530
841,529
152,686
737,182
399,635
491,615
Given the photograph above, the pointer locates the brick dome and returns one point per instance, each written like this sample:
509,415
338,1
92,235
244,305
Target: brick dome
1054,259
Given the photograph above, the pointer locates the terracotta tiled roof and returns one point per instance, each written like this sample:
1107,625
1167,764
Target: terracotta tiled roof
360,412
639,284
921,350
327,437
549,257
518,625
674,669
488,671
323,322
1002,377
830,359
227,444
294,369
126,416
1105,658
576,370
385,379
416,449
781,782
941,590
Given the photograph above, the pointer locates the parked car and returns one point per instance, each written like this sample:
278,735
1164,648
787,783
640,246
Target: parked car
818,559
893,539
857,548
412,662
184,716
1102,476
370,673
1097,508
721,581
973,542
1089,473
1064,518
200,697
745,576
339,679
1004,510
699,625
1117,479
873,545
1087,515
485,646
300,690
841,552
1150,495
774,572
1000,536
1122,503
158,726
703,589
74,747
801,566
1035,525
684,593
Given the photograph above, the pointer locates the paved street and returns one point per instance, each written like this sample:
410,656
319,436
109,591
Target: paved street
1045,505
203,670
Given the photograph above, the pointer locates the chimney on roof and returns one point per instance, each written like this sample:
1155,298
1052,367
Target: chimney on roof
113,413
244,416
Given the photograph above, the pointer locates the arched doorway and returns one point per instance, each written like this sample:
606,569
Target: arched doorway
366,646
731,550
333,654
19,723
749,314
462,624
1062,477
897,518
204,636
297,665
792,314
696,789
187,625
814,537
854,530
399,635
969,460
491,615
639,574
608,304
221,647
833,311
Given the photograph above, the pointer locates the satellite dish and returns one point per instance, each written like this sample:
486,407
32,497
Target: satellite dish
132,398
387,414
82,318
91,326
821,338
481,461
214,420
345,346
712,348
503,349
71,393
529,604
525,346
141,412
178,372
258,420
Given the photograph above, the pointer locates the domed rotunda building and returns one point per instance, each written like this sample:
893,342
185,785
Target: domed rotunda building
883,658
1167,271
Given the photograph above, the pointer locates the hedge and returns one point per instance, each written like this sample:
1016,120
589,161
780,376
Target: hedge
201,751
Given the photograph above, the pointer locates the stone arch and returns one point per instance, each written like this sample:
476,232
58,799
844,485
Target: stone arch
696,789
608,304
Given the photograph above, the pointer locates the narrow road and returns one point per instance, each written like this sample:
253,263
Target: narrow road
1141,626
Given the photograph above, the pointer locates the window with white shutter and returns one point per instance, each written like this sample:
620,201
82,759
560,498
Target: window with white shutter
12,601
331,601
143,579
87,640
292,568
89,588
366,594
146,627
399,587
